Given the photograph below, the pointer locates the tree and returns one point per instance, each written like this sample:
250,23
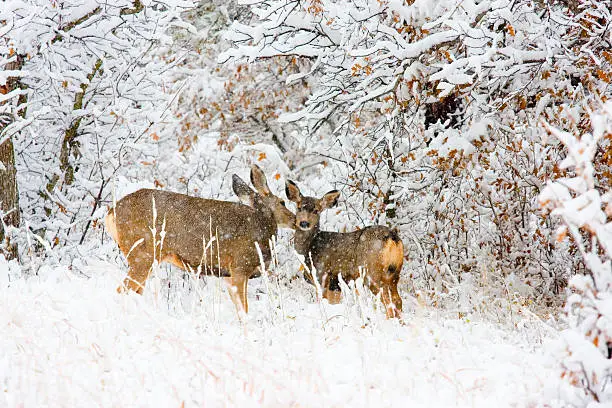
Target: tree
583,201
430,112
11,93
9,198
92,77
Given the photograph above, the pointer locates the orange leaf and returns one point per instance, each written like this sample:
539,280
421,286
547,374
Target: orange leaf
601,74
561,234
511,30
277,176
155,136
261,156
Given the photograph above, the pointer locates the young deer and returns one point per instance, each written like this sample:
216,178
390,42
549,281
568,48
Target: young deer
377,249
206,236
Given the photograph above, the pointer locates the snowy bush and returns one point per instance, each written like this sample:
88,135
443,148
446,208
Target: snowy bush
86,86
583,202
425,114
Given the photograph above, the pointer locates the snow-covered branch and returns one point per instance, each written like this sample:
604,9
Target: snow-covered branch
585,208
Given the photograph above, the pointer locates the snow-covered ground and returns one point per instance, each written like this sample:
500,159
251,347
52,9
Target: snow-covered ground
73,341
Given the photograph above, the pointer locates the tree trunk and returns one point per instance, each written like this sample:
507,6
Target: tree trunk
9,197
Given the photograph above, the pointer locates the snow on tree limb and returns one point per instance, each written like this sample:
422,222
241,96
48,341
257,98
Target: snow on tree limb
586,212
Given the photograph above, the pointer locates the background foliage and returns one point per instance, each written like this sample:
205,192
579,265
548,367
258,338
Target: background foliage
429,116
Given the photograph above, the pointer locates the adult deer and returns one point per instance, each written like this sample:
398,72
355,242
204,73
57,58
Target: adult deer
209,237
377,250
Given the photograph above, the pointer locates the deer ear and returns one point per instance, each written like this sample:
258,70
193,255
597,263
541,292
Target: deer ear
292,191
329,199
258,178
242,189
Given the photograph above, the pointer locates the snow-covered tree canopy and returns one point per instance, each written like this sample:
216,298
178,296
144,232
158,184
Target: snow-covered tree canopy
431,113
480,129
583,202
89,87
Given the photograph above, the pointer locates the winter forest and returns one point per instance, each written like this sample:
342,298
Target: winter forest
468,143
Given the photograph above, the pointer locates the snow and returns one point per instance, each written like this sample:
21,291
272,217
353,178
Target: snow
73,341
479,257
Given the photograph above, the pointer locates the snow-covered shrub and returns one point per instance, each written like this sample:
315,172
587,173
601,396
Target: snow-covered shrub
425,114
582,200
91,92
235,104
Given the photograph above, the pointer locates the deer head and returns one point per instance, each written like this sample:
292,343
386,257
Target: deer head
263,197
309,209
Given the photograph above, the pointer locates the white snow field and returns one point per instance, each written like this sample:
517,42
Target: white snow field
70,341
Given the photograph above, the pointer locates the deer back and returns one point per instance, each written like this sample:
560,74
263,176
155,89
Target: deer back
345,253
221,234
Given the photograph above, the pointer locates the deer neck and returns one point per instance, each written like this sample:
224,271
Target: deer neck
264,210
303,240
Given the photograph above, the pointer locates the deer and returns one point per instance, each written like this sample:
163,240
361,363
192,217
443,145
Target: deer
204,236
377,250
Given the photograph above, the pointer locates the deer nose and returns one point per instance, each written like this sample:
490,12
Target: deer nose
304,224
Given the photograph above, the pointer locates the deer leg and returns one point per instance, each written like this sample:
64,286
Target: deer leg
232,290
332,291
333,296
237,289
140,268
242,292
392,301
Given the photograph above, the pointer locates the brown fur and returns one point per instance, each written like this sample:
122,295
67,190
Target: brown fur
175,260
377,250
111,226
189,221
392,254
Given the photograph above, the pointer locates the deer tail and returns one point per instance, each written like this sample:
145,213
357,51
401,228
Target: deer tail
393,252
111,225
